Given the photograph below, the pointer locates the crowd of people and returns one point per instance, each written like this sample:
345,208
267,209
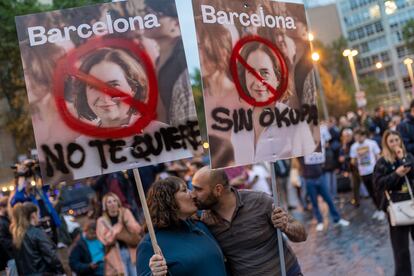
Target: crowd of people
200,215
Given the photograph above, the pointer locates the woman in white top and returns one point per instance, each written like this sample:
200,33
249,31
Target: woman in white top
272,142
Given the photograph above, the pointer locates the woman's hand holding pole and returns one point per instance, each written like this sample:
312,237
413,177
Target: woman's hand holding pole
158,265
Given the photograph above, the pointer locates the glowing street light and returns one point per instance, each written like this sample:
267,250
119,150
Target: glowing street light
315,56
311,37
350,54
409,63
379,65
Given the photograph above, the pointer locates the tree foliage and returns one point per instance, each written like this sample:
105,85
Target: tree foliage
11,73
199,102
332,58
338,99
408,34
373,88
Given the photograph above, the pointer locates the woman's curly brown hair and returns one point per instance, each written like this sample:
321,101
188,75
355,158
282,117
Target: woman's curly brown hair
161,201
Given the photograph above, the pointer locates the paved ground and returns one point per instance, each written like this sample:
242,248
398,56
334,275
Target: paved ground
363,248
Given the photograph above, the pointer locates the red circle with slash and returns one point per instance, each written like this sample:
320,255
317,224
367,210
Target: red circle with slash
66,66
278,92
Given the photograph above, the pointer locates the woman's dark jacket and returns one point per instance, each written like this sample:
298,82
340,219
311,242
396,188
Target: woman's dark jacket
37,255
386,179
6,242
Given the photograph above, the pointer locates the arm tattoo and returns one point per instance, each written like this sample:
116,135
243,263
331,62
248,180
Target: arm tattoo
295,230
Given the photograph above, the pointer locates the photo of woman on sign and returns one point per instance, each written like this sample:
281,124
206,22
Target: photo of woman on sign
118,69
265,141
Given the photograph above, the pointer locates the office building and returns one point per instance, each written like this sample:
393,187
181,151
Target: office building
374,28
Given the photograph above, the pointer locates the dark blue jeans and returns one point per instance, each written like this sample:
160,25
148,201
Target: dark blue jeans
318,186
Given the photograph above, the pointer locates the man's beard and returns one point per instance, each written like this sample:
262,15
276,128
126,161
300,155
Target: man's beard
208,203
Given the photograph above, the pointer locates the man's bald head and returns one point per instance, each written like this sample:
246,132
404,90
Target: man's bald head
213,177
208,187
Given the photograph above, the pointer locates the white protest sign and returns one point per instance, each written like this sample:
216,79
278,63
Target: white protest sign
258,82
106,93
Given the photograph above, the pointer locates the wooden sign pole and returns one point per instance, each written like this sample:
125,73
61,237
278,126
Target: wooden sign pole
147,215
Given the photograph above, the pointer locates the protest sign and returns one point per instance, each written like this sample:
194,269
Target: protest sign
105,93
258,81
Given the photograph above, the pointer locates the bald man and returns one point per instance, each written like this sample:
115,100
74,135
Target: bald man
244,223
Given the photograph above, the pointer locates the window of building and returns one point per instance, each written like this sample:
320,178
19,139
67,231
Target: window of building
385,56
358,64
392,86
401,51
363,47
389,71
378,27
407,82
361,33
352,35
369,29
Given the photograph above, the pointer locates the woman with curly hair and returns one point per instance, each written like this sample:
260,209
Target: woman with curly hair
187,246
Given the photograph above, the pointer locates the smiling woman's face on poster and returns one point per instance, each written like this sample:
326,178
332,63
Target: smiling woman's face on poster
262,64
110,110
116,69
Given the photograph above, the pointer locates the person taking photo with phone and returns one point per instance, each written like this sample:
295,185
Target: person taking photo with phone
392,174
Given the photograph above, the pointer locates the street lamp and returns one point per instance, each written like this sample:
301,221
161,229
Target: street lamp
409,63
316,57
311,37
349,53
379,65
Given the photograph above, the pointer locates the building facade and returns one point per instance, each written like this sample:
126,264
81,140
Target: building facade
374,28
318,18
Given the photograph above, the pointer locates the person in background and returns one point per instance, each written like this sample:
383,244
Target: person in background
331,166
259,179
35,253
237,176
39,195
119,232
380,120
316,185
365,153
148,175
118,184
87,256
6,239
347,168
391,173
406,129
187,245
282,170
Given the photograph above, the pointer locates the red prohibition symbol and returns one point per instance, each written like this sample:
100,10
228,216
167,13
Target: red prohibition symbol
277,92
66,67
